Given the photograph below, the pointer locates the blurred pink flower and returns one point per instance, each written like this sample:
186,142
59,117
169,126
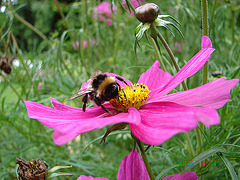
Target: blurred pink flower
132,167
84,43
156,119
75,45
178,46
103,12
134,3
91,43
40,86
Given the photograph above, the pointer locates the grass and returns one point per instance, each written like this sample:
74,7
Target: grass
61,70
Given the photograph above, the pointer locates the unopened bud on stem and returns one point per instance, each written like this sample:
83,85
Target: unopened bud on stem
147,12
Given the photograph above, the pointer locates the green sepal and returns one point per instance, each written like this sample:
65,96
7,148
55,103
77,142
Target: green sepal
52,173
114,127
141,28
163,23
55,168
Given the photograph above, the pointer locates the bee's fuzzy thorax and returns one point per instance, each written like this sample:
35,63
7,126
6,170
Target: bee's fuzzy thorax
102,86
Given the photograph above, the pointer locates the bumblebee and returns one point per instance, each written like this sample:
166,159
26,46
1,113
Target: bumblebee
101,88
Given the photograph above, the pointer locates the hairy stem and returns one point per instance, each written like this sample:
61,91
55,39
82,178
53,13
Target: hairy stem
156,49
190,147
205,32
204,4
171,55
144,157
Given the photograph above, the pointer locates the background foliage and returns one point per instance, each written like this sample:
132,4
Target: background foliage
45,64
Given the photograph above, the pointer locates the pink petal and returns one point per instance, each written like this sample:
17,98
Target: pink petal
185,176
132,168
69,123
84,43
154,78
83,177
166,119
206,42
190,68
211,95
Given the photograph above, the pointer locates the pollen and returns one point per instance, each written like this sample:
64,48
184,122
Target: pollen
132,96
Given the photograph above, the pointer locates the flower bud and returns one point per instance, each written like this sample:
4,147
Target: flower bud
31,170
147,12
5,65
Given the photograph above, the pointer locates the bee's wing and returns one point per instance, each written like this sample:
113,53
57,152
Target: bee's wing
81,92
95,74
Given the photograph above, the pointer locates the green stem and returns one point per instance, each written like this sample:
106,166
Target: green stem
61,13
30,26
171,55
205,32
212,15
10,84
205,26
24,66
199,138
156,49
144,157
190,147
131,6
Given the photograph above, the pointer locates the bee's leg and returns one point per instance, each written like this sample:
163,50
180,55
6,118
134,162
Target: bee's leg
121,79
84,100
98,103
119,88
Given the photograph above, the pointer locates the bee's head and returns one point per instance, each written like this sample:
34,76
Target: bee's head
111,91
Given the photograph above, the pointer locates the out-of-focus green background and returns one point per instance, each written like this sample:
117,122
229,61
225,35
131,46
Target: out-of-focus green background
51,57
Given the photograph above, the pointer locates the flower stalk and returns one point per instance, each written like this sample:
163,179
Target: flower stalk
205,32
156,49
205,26
170,53
144,157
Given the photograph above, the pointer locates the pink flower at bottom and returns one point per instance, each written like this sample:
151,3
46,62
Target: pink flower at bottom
83,177
153,117
179,176
132,168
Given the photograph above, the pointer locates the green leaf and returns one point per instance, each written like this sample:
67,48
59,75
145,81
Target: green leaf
229,166
53,175
58,167
203,156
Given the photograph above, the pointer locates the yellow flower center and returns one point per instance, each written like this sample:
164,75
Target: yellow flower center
130,97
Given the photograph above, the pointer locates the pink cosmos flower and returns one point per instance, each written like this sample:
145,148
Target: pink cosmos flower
75,45
83,177
103,12
85,43
132,167
154,116
179,176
